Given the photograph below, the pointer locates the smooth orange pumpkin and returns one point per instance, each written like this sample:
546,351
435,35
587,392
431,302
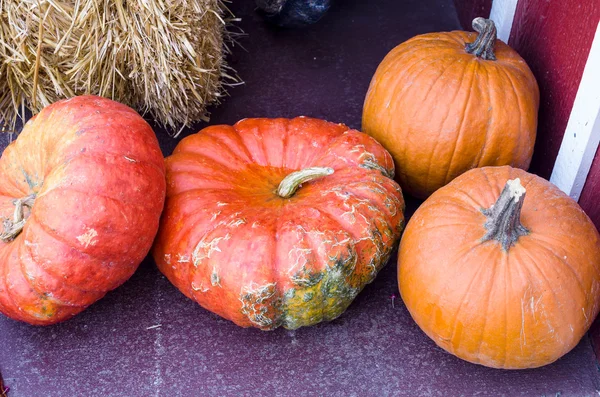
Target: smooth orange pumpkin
277,222
81,192
444,103
501,268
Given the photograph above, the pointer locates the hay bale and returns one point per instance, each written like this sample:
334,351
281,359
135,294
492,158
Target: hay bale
161,57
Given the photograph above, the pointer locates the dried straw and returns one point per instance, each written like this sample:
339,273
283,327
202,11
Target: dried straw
162,57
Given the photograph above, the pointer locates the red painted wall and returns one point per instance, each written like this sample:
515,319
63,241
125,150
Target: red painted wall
468,10
554,37
590,197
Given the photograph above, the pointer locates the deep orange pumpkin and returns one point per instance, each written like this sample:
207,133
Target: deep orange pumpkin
81,192
442,106
244,240
503,274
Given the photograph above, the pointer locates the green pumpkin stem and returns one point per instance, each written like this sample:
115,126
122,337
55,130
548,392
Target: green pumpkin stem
503,222
483,46
292,182
12,227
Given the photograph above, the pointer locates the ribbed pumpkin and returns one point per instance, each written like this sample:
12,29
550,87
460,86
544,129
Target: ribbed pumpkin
81,192
501,268
443,103
277,222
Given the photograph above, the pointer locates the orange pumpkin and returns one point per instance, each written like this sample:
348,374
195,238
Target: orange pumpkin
501,268
81,192
277,222
443,103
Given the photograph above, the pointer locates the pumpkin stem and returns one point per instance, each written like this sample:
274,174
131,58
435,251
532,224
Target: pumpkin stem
12,228
483,46
293,181
503,218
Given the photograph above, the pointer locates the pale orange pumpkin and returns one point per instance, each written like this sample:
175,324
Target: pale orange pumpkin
501,268
443,103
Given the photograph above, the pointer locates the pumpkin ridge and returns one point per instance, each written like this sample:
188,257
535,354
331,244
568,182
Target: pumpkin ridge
481,154
280,313
294,323
467,200
54,276
263,147
358,237
316,155
11,295
450,38
415,47
185,150
246,147
270,293
187,232
196,216
481,267
67,282
462,121
199,190
400,96
8,291
407,73
525,276
448,111
485,317
559,244
105,154
103,194
9,181
453,201
548,285
34,288
542,245
285,144
504,264
400,99
382,209
218,137
516,96
59,144
190,166
326,150
119,203
460,254
49,232
337,273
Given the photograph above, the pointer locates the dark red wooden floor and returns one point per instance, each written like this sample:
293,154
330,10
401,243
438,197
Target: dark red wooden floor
146,339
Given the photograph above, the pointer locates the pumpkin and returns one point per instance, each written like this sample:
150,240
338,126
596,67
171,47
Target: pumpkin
444,103
81,192
501,268
277,222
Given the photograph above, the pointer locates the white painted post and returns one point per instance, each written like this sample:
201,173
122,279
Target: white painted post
582,135
503,14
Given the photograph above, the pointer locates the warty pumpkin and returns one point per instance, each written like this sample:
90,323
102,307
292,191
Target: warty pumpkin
501,268
444,103
81,192
277,222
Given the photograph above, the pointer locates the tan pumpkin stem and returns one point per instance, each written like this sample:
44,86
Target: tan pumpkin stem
483,46
12,228
504,217
293,181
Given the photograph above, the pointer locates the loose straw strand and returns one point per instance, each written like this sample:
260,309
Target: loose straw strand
38,54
